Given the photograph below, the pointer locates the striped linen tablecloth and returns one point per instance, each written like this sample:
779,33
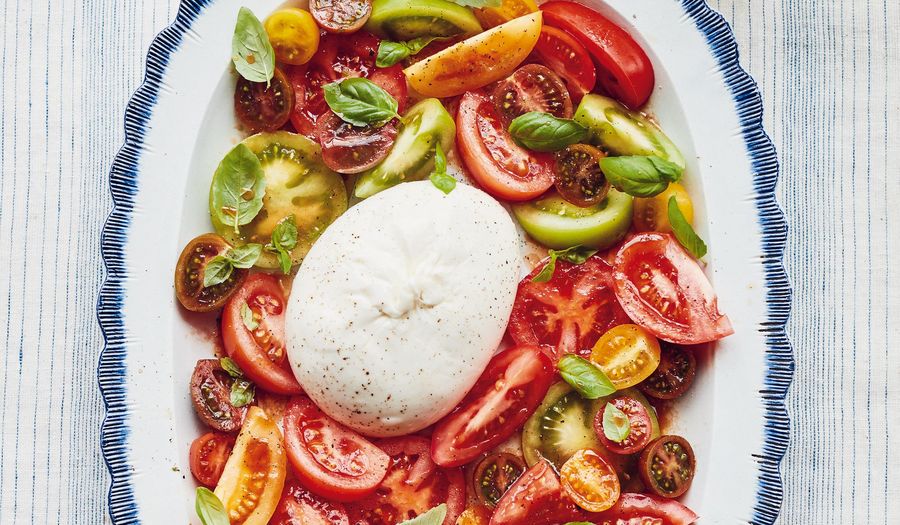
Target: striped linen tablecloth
829,72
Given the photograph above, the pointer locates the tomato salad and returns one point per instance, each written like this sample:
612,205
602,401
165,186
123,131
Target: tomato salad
540,107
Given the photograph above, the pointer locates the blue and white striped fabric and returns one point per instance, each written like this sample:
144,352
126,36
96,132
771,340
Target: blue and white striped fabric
829,72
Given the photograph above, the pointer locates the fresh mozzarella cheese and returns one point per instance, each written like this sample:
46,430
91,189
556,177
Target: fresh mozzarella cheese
399,306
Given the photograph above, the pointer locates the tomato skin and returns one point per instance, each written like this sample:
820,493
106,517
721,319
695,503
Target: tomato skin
355,466
499,165
632,505
624,69
691,315
537,498
208,455
522,375
565,55
293,34
267,367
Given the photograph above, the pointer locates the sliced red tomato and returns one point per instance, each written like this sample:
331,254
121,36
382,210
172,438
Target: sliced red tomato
665,291
506,394
571,311
624,69
260,352
502,168
350,149
329,458
299,506
565,55
413,485
209,453
646,508
537,498
532,88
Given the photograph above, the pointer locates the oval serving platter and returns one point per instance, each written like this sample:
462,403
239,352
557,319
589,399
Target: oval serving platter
177,131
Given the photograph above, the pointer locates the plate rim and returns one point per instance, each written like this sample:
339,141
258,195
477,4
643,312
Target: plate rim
779,359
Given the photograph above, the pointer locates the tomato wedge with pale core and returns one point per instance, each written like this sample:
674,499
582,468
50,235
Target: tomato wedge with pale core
506,394
624,70
499,165
645,509
260,352
570,312
536,498
330,459
664,290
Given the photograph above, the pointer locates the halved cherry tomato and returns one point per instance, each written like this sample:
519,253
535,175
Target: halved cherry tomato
565,55
253,479
663,289
627,353
350,149
261,107
667,466
579,179
674,375
502,168
341,16
537,498
494,475
624,69
570,312
192,262
293,34
260,353
413,485
652,215
209,453
475,515
330,459
506,394
532,88
640,427
590,481
299,506
649,510
211,396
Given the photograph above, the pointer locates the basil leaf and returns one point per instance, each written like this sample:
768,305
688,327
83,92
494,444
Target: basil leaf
684,232
217,271
440,178
616,426
543,132
640,176
574,255
242,392
360,102
247,317
284,239
434,516
390,53
547,272
244,256
238,187
251,50
478,3
210,509
585,377
230,366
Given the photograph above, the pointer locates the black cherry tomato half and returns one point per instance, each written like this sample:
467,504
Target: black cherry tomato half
211,396
532,88
261,107
189,287
351,149
578,176
667,466
341,16
494,475
674,375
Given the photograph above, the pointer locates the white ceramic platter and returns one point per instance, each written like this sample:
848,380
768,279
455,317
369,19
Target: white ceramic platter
180,124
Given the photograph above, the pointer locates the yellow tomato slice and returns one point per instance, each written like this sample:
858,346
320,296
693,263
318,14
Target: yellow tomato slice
253,479
510,9
652,215
590,481
293,34
476,61
627,354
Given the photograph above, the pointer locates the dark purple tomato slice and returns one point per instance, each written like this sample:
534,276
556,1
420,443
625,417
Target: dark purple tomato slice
262,107
351,149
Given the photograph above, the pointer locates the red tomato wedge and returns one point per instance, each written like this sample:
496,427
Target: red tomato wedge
537,498
330,459
299,506
209,453
663,289
624,69
506,394
648,509
565,55
260,353
499,165
570,312
413,485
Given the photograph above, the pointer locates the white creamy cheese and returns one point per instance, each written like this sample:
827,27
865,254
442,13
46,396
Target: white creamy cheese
400,305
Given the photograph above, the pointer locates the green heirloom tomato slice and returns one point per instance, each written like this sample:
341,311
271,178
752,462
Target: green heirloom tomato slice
297,183
558,224
408,19
621,131
412,156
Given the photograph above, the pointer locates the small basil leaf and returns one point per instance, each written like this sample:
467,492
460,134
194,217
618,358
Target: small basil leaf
616,426
210,509
547,272
360,102
242,392
251,50
230,366
244,256
544,132
478,3
669,170
247,317
585,377
636,176
238,187
217,271
284,236
440,178
284,260
390,53
576,254
684,232
434,516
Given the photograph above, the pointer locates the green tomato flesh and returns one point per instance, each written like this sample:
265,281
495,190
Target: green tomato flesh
402,20
558,224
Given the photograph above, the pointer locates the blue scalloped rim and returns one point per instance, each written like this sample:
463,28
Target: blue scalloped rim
123,186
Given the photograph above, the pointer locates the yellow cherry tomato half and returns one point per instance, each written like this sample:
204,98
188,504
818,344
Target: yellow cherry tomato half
476,515
510,9
253,478
294,35
590,481
476,61
627,354
652,215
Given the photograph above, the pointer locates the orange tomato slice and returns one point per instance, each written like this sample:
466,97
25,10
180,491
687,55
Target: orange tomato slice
590,481
508,10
